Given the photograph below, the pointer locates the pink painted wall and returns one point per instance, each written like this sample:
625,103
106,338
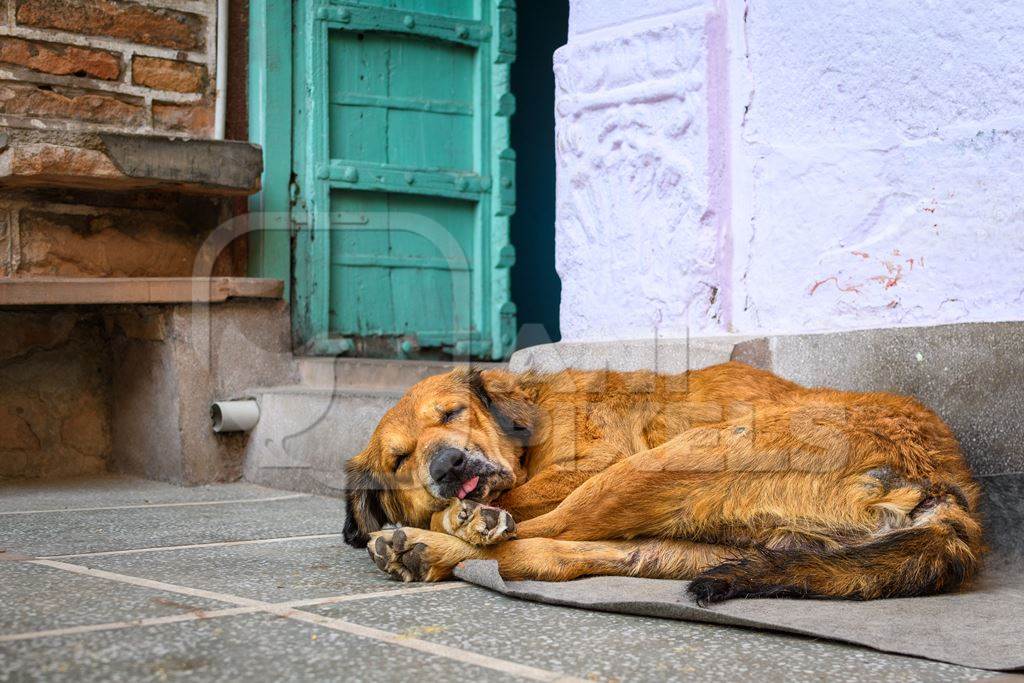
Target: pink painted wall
730,167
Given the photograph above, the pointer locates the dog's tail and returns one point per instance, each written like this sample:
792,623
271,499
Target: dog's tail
940,551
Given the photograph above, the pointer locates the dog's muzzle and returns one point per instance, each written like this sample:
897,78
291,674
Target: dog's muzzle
457,474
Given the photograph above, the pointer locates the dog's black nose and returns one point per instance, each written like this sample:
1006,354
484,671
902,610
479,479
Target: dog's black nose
448,465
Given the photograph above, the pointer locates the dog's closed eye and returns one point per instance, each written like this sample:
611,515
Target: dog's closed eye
400,459
451,414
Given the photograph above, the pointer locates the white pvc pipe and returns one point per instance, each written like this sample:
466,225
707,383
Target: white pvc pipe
234,416
221,88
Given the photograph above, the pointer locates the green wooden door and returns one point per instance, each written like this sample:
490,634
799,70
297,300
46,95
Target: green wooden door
404,180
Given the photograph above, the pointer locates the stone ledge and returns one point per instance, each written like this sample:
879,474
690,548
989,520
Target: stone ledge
659,355
45,291
114,161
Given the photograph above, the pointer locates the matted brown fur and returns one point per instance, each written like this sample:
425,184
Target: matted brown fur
746,483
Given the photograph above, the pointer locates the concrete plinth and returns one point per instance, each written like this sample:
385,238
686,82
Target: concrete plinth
170,364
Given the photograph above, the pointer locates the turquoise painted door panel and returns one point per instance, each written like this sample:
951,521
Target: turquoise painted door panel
401,100
405,177
393,273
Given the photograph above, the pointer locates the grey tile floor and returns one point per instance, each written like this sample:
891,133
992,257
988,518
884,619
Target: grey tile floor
119,579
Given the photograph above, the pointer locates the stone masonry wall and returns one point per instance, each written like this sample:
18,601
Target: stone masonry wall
109,65
128,388
54,394
754,167
138,67
142,67
74,234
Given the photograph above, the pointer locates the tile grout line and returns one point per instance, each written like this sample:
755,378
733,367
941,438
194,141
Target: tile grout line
189,546
160,505
202,615
118,625
335,599
150,583
425,646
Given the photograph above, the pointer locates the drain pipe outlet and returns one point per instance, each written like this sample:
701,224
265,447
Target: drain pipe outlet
234,416
220,89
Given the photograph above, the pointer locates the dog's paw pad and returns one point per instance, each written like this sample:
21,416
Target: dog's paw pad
411,554
379,553
386,550
479,524
398,556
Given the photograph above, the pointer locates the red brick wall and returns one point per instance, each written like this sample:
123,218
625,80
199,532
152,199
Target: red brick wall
144,66
136,66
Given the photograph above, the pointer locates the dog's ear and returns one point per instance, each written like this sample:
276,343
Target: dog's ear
511,407
364,512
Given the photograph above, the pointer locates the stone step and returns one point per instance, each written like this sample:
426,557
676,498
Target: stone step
305,435
971,374
328,373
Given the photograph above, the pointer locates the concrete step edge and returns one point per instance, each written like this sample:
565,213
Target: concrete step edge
348,391
400,374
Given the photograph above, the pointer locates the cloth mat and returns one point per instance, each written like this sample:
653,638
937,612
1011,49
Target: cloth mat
982,627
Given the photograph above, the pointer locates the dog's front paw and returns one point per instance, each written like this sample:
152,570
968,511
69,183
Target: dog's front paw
478,524
410,554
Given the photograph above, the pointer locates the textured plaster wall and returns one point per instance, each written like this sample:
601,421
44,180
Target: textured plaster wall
740,167
637,238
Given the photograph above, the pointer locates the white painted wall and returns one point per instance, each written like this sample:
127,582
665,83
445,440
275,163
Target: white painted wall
789,166
637,243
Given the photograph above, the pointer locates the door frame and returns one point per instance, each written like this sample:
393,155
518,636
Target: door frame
270,127
274,249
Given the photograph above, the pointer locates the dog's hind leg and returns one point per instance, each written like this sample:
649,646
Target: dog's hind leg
411,554
716,483
937,549
860,514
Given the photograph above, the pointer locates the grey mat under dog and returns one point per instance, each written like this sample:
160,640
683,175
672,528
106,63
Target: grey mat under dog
982,627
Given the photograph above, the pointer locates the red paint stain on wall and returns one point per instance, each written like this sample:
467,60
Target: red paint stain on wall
848,288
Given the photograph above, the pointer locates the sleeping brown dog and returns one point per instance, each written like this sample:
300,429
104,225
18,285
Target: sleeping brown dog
745,483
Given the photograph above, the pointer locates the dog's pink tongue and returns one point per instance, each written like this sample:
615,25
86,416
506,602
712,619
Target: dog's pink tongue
468,487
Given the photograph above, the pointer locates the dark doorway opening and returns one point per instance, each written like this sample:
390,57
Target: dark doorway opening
542,27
